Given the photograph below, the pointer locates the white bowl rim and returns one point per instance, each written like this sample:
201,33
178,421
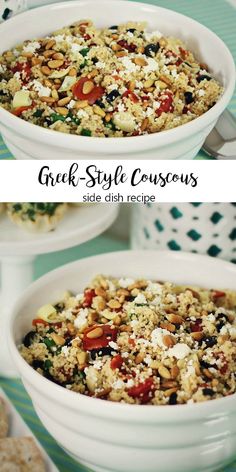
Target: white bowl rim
118,411
71,141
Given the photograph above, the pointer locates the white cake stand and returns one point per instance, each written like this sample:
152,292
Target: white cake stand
18,250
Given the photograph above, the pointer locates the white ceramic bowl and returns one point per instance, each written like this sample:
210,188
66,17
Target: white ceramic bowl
26,140
112,437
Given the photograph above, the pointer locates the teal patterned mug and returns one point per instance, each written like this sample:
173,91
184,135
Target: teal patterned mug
205,228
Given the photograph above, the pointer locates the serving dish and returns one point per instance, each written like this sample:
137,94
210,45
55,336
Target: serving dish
18,428
30,141
110,437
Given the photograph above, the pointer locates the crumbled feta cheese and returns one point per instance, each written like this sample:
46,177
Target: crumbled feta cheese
65,350
17,76
100,65
59,38
125,283
211,318
32,47
140,299
201,93
3,68
148,360
81,319
130,383
98,365
125,355
134,323
42,91
157,337
174,73
113,345
82,114
121,108
154,288
154,34
128,64
71,104
149,111
180,351
151,66
232,332
118,384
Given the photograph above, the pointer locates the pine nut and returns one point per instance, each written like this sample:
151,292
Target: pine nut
116,47
88,87
123,291
62,111
81,104
99,303
174,372
168,340
82,358
55,94
155,365
121,54
198,335
114,304
175,319
72,72
27,54
92,317
139,358
207,373
139,61
59,340
48,53
58,56
54,64
45,70
132,85
98,111
140,50
100,292
35,61
47,99
95,333
93,74
148,83
169,391
108,117
64,101
168,384
125,329
71,329
169,326
165,79
161,85
144,124
47,83
117,320
50,44
164,372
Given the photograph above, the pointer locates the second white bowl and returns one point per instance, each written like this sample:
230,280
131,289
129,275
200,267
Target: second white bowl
113,437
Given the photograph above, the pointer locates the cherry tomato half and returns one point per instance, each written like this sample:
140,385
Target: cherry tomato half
109,334
166,105
89,294
95,94
37,321
116,362
18,111
143,391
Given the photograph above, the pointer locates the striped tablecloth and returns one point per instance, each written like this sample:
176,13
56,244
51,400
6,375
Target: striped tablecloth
218,15
14,388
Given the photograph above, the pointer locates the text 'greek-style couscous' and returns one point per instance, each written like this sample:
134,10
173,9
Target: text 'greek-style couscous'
138,342
113,82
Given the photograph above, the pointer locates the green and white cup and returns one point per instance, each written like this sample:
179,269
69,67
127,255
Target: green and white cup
204,228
